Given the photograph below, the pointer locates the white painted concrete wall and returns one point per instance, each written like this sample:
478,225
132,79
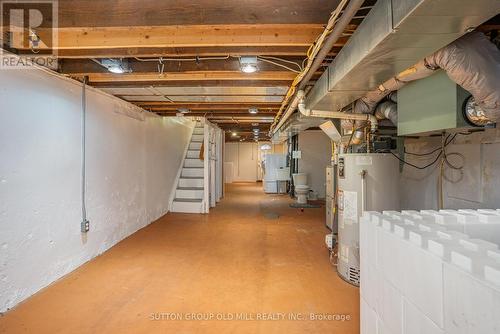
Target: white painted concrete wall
478,187
244,157
316,155
132,163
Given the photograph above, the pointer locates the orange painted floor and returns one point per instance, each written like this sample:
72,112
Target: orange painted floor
239,269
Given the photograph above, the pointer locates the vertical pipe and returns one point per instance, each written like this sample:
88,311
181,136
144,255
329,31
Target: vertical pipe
84,223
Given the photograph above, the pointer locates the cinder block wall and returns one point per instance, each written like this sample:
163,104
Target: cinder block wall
132,164
428,272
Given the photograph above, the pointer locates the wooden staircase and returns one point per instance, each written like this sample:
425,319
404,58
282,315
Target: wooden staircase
189,195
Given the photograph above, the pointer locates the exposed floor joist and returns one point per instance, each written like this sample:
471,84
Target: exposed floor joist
183,35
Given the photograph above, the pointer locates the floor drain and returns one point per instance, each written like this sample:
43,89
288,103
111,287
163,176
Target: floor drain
271,215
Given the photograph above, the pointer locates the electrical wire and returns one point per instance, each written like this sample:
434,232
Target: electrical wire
312,51
267,59
415,166
442,154
278,64
182,59
281,59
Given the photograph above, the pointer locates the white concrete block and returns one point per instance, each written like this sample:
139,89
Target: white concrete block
429,212
494,254
424,282
393,214
369,282
463,217
492,211
368,318
409,212
445,218
382,328
474,262
415,322
478,245
430,227
391,260
421,238
484,216
443,247
471,306
390,306
492,272
449,234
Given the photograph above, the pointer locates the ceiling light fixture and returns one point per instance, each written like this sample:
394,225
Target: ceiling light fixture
253,110
234,134
183,110
117,66
248,64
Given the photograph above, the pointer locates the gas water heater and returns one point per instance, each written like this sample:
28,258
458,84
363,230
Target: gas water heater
366,182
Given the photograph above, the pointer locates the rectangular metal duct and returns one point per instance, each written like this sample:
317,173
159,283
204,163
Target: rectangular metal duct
295,124
395,35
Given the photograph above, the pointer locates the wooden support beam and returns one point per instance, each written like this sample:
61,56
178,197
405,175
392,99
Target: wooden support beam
196,83
148,65
262,50
112,13
187,36
189,76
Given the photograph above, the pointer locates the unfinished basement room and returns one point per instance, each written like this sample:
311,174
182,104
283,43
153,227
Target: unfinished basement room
251,166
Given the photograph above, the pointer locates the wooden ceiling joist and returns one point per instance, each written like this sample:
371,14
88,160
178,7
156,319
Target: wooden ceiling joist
150,65
195,75
144,52
187,36
111,13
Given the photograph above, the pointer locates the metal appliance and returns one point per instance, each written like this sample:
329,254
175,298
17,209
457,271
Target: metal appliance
366,182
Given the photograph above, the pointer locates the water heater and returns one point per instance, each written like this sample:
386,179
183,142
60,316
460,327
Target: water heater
366,182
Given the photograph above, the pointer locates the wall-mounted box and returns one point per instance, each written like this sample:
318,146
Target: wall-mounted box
431,105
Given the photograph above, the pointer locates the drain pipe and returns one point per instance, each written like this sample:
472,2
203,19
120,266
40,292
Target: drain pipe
337,114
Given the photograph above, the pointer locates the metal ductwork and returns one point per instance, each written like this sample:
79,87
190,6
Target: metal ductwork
394,36
463,60
387,110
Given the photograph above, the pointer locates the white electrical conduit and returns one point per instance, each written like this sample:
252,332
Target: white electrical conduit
83,156
337,114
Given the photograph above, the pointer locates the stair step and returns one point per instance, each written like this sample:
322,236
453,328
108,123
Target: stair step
196,193
189,188
197,182
194,146
192,171
193,163
188,200
198,131
187,206
193,154
197,138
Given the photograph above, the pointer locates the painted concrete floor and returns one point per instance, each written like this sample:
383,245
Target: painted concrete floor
241,265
